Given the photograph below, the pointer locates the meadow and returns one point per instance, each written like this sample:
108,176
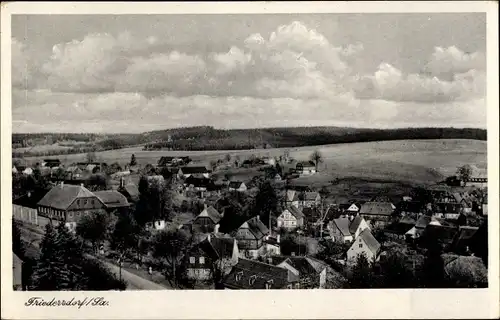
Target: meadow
425,161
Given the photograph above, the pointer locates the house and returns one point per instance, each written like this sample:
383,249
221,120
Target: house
357,225
377,213
74,172
461,243
277,177
412,208
366,244
165,161
17,273
448,210
215,253
237,186
269,160
311,271
207,220
186,172
291,218
310,199
292,198
399,229
113,200
251,274
14,170
28,171
305,168
199,184
339,230
351,208
441,232
51,163
251,235
484,205
130,191
68,203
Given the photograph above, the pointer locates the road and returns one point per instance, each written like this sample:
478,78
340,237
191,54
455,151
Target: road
133,281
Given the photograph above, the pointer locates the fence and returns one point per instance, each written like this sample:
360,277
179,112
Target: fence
25,214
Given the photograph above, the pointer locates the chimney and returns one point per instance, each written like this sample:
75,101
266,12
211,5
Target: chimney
209,237
216,229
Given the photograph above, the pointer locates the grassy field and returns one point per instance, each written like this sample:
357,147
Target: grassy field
404,160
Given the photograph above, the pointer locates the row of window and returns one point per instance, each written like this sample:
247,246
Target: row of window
192,260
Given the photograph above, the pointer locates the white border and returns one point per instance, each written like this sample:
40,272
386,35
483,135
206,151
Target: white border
307,304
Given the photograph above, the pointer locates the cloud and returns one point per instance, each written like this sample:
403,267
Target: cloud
448,62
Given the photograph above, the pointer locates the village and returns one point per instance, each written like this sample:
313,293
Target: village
244,223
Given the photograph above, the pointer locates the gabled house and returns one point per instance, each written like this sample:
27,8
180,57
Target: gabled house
28,171
461,243
339,230
74,172
310,199
305,168
251,274
351,208
165,161
214,254
51,163
291,218
186,172
448,210
366,244
292,198
130,191
398,230
237,186
68,203
357,225
377,213
311,271
207,220
250,236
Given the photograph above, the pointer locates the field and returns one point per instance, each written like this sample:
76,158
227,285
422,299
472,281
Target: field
403,160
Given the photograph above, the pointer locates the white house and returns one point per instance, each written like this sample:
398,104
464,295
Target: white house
339,230
357,225
28,171
237,186
291,218
366,244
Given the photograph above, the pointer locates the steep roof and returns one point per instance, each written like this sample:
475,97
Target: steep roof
342,224
377,208
235,184
353,226
423,221
112,199
251,274
306,164
371,242
295,212
256,227
132,190
61,197
292,195
217,248
193,170
211,213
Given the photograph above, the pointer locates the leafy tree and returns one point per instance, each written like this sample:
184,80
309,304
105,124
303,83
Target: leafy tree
464,173
169,246
97,277
17,243
265,202
433,275
113,168
279,169
133,161
227,157
72,256
213,165
93,228
97,182
362,275
317,157
126,234
395,272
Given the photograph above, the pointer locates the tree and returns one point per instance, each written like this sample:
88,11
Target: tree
227,157
361,276
317,157
464,173
50,272
126,234
169,246
90,157
433,275
97,182
133,161
213,165
93,227
17,243
395,272
113,168
265,202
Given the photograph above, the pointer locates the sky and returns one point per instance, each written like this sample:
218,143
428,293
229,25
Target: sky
137,73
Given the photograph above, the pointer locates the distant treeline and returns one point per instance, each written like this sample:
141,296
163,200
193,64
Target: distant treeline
215,139
209,138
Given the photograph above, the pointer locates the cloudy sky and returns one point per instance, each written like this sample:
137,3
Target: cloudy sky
146,72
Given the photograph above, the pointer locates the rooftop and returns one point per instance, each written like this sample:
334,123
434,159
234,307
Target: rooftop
62,196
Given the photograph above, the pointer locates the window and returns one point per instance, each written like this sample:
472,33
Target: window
289,286
70,214
252,279
239,275
202,260
269,283
361,245
192,260
297,286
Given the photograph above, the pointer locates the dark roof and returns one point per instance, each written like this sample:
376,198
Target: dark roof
256,227
355,224
132,190
211,213
200,182
163,161
423,221
412,206
377,208
342,224
295,212
218,248
61,197
254,275
443,233
448,207
306,164
193,170
369,239
463,237
112,199
235,184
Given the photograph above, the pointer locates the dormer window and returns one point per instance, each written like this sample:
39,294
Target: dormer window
239,275
252,279
192,260
202,260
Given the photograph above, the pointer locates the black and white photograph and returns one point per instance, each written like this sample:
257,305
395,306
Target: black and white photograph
249,151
